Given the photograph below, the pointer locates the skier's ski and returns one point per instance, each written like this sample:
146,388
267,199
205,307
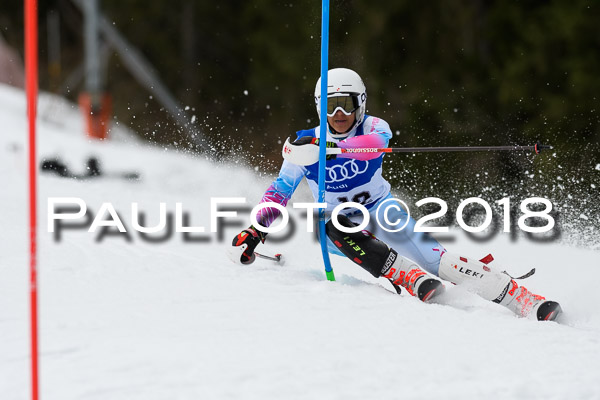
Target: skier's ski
431,288
428,289
548,311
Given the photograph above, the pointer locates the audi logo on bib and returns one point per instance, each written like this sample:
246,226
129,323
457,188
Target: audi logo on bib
348,170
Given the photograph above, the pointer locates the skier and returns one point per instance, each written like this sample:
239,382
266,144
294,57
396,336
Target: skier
407,258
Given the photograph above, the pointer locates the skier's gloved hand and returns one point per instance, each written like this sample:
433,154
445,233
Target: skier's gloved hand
304,140
315,141
329,145
244,244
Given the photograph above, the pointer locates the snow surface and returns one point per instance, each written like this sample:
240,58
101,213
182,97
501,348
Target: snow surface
178,320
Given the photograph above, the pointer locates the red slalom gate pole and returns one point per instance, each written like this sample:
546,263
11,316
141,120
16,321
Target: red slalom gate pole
31,76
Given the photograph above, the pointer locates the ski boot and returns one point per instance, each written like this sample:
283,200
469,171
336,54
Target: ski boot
527,304
405,273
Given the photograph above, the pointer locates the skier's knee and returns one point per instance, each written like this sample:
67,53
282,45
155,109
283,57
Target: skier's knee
361,247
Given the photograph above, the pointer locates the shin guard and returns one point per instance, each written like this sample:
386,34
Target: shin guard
361,247
482,279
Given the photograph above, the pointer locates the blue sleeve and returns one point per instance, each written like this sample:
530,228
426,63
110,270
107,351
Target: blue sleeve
280,191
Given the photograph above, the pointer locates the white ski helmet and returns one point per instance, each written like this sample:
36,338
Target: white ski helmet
343,82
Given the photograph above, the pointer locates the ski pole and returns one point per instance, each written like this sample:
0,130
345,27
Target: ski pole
278,258
537,148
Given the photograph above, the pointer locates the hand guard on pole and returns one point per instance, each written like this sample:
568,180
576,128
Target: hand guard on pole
300,152
243,245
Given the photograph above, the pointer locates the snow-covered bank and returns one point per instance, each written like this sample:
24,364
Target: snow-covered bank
139,320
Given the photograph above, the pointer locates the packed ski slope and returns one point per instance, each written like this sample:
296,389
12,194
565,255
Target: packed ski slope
130,319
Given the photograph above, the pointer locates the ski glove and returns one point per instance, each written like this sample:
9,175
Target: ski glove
250,237
315,141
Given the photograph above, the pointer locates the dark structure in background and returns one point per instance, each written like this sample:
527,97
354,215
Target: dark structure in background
11,66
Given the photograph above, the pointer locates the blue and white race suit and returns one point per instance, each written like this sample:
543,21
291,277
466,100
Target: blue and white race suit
358,179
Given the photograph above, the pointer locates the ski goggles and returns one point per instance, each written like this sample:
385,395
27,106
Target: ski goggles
347,103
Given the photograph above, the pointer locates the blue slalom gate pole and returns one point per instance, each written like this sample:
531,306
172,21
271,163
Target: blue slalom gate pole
323,135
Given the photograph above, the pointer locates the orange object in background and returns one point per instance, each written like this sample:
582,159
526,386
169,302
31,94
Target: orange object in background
96,117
